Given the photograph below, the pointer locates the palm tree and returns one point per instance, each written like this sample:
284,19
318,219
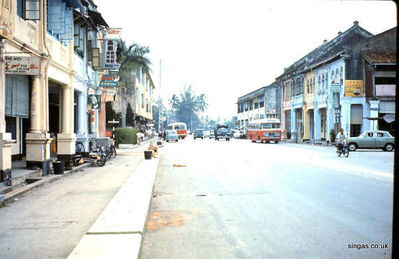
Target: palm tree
130,58
187,106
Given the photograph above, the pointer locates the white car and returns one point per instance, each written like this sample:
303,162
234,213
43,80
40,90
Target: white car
206,134
236,134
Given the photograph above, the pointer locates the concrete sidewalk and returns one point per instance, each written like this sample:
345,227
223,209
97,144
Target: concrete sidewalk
117,232
48,222
19,189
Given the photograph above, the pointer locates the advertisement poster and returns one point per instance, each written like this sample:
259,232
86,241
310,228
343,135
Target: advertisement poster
354,88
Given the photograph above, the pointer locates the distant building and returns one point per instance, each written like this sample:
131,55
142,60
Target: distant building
251,107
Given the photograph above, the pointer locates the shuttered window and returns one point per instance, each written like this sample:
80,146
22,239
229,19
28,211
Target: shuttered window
55,21
387,107
356,114
17,96
68,31
60,20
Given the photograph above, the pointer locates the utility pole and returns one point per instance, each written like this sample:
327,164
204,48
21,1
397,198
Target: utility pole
160,96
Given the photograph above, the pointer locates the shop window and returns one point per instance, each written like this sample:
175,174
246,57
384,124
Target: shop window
341,75
28,9
11,126
17,96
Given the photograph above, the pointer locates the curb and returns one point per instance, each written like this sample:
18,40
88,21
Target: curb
118,231
11,196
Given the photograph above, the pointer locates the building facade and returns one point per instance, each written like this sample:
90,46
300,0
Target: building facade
250,107
348,82
45,77
136,92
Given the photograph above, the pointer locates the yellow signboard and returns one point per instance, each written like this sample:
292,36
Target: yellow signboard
6,19
354,88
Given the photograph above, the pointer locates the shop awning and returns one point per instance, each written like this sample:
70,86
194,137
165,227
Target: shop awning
380,57
97,18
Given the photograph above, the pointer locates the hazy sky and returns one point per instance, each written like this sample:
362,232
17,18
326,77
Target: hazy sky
227,48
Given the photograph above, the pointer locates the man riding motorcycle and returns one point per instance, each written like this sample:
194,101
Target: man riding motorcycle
341,139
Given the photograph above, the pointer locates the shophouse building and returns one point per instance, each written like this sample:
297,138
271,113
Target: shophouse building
379,62
24,62
136,91
262,103
44,78
326,85
251,107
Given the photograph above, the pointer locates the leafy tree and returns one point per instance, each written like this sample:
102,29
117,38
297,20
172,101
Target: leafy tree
111,115
129,115
187,106
130,58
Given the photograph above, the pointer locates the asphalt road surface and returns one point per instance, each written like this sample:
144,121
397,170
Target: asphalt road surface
237,199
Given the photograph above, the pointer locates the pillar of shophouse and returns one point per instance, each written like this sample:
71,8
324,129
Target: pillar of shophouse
66,139
374,107
306,123
317,123
5,138
37,139
81,120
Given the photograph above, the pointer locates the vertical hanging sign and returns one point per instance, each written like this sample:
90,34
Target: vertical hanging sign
110,47
95,101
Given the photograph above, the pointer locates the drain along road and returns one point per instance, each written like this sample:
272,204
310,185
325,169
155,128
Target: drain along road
237,199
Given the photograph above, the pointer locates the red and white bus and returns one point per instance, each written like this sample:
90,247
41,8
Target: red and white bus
264,130
180,127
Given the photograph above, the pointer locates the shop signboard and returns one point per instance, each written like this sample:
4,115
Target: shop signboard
337,117
95,101
113,34
335,100
110,60
109,90
354,88
18,65
109,81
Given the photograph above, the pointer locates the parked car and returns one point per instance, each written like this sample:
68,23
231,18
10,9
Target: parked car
171,135
372,139
206,133
236,134
199,133
211,134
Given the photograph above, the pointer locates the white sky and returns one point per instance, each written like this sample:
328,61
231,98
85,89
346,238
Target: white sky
227,48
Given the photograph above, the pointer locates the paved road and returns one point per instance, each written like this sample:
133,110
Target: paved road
244,200
48,222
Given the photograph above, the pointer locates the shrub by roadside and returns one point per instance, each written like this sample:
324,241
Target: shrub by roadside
126,136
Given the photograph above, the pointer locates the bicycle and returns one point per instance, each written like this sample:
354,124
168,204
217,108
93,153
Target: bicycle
342,149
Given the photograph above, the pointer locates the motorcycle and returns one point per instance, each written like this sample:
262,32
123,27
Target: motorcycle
100,156
342,149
